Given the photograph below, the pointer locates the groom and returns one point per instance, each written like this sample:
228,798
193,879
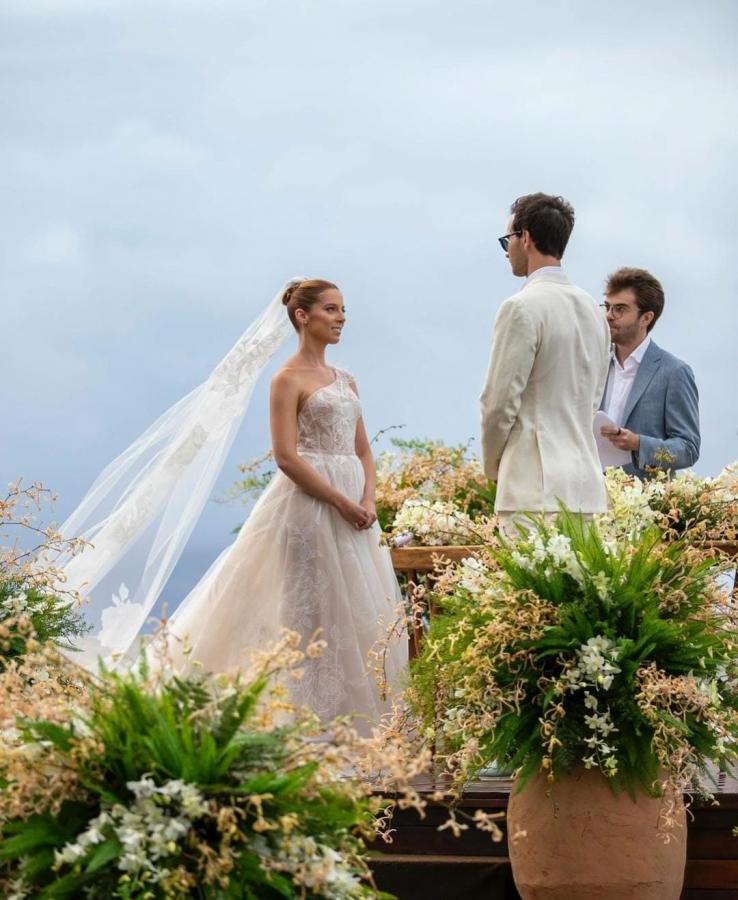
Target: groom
546,377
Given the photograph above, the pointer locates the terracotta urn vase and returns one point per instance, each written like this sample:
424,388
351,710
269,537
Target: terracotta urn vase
576,840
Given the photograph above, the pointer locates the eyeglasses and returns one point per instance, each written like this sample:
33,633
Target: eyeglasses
616,310
505,239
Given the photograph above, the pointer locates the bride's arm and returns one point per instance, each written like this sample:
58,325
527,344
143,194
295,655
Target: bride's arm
364,452
283,405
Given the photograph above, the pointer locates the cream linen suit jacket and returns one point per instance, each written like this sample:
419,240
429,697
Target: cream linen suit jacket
546,377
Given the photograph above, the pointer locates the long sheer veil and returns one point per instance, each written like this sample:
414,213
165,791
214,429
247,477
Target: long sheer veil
140,512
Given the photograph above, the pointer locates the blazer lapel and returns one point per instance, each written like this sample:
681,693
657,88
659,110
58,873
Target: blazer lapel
607,381
648,368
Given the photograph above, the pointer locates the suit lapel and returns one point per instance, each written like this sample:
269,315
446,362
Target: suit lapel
648,368
607,381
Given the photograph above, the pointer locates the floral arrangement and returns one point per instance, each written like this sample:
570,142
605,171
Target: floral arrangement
429,493
432,524
686,505
567,649
32,601
145,785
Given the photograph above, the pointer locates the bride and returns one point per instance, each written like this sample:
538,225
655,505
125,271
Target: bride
309,556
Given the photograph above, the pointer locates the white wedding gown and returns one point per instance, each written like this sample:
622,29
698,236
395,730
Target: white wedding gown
298,564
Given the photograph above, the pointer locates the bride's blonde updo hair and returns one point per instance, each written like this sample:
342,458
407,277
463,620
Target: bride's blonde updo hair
303,295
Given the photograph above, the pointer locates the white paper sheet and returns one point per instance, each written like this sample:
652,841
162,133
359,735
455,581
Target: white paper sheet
610,455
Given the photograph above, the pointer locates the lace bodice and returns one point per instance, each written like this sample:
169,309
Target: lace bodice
327,421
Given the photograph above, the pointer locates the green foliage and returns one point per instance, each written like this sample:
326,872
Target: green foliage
27,610
181,794
573,651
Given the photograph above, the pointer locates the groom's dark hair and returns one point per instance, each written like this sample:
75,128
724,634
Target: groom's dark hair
548,219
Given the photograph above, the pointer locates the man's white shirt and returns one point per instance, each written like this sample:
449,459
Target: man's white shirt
542,272
620,381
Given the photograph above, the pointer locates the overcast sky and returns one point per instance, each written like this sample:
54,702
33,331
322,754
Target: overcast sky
165,166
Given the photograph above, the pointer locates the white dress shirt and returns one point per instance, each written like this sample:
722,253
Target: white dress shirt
542,272
620,381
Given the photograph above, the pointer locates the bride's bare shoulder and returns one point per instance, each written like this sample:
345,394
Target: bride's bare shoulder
287,380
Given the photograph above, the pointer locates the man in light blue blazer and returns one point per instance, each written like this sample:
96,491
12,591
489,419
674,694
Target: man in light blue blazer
650,395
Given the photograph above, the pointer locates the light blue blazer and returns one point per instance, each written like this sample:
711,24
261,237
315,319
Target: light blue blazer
663,408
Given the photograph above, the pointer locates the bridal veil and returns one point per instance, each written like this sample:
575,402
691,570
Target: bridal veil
141,510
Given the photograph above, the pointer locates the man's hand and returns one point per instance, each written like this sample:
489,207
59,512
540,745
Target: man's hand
622,438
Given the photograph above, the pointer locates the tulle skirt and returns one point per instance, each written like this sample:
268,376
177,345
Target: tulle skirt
297,564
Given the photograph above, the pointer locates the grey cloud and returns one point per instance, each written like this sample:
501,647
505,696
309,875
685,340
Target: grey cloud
164,165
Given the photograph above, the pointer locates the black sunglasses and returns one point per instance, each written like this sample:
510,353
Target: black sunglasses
505,239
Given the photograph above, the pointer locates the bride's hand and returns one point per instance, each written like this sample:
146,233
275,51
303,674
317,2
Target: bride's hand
354,513
371,507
